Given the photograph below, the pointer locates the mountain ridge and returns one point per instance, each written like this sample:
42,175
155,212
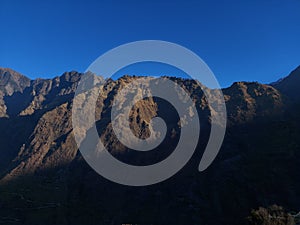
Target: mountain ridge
38,152
245,101
289,85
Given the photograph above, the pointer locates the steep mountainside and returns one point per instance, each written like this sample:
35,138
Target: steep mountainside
44,178
290,85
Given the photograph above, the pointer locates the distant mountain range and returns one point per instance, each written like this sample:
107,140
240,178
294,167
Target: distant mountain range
44,179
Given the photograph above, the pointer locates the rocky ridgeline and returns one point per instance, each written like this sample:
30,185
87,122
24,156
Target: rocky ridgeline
36,137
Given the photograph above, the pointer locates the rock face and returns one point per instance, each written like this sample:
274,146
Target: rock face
10,82
256,166
249,100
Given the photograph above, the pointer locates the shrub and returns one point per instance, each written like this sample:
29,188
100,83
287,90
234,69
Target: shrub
273,215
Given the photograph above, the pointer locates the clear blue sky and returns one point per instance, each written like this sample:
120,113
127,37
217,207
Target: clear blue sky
239,40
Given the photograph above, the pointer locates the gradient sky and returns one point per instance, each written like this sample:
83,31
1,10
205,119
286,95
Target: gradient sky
239,40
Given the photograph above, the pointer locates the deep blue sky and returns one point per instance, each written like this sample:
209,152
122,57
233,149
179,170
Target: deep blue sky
239,40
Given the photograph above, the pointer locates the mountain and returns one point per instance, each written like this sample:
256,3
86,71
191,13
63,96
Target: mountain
10,82
290,85
44,179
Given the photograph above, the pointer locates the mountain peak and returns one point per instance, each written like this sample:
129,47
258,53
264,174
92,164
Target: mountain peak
289,85
12,81
10,72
